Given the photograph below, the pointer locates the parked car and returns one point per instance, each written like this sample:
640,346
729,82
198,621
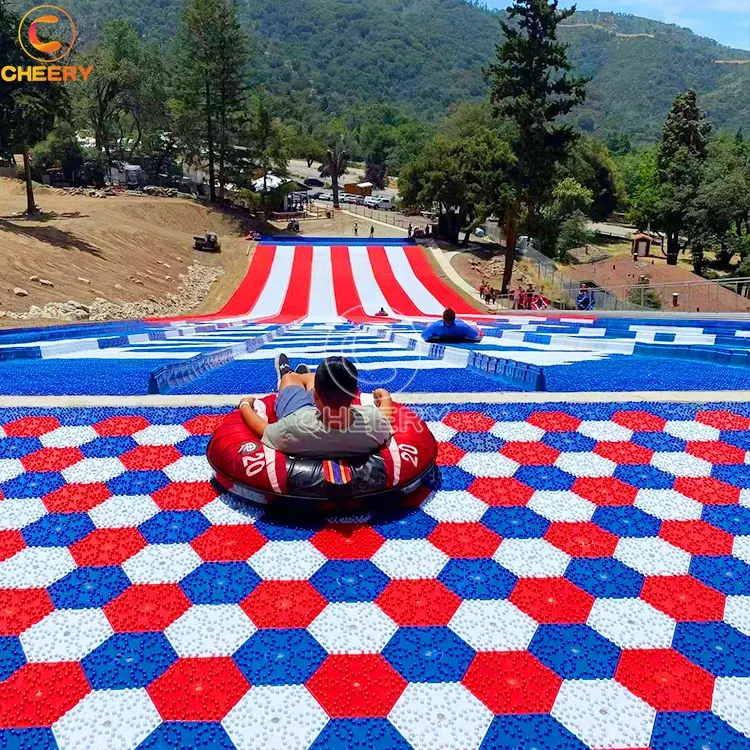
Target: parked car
371,201
325,197
386,204
359,200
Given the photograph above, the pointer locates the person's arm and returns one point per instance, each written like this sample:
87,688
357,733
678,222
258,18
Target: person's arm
257,425
384,403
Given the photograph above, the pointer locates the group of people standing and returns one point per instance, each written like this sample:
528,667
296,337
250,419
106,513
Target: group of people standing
522,299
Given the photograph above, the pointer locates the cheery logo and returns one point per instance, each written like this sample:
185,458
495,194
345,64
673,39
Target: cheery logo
57,23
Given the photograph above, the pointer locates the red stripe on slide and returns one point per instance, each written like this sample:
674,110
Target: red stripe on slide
440,291
348,303
297,300
398,300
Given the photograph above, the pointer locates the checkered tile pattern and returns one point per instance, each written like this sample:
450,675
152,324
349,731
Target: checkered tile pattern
578,578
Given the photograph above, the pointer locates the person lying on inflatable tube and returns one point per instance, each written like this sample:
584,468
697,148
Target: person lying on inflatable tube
452,329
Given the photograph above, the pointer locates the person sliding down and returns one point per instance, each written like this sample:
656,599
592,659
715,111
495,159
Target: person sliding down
452,329
316,416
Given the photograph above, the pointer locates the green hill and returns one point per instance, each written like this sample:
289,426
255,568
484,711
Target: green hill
425,55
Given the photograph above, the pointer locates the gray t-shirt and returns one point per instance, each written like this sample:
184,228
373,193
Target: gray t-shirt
304,434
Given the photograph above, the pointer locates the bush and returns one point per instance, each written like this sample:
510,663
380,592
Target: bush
645,296
573,233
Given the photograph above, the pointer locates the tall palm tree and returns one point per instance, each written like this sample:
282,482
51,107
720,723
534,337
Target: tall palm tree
335,164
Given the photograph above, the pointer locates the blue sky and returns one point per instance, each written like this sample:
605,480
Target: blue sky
727,21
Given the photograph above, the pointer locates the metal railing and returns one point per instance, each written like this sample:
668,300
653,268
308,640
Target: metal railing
386,217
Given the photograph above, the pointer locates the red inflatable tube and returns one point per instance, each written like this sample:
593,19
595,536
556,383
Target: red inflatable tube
248,469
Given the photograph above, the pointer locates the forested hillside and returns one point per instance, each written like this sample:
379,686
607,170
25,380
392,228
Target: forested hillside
424,55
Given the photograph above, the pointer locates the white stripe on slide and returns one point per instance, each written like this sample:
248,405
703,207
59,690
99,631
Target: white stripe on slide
322,298
364,279
272,297
416,290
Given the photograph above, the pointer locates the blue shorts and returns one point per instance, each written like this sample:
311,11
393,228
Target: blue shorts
291,399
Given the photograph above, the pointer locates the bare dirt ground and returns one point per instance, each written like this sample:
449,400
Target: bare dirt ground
341,225
127,248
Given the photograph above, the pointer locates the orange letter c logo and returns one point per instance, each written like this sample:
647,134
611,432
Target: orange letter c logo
54,49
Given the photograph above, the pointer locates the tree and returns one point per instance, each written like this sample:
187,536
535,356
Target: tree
335,164
268,140
376,174
680,159
532,88
213,61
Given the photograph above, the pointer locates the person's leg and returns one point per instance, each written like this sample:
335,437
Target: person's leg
297,380
293,394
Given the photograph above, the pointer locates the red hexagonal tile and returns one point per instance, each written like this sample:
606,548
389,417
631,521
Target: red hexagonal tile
198,689
52,459
150,457
697,537
418,603
121,426
552,600
107,547
348,541
449,454
10,542
469,421
554,421
624,453
716,452
723,420
513,682
708,490
531,454
639,421
205,424
31,426
76,498
665,679
581,539
465,539
146,607
37,695
605,490
185,495
228,543
683,598
22,608
501,491
283,604
356,686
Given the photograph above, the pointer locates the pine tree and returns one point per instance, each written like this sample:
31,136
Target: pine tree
532,88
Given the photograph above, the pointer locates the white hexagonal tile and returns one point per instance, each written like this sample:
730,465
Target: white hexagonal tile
410,559
66,635
122,511
737,613
602,713
162,563
287,561
108,719
519,432
17,513
605,431
441,431
691,430
731,701
681,464
210,630
69,437
741,548
493,625
586,464
443,715
10,468
92,470
352,628
161,434
284,717
669,505
454,506
35,567
190,469
531,558
632,623
228,511
488,465
652,556
561,505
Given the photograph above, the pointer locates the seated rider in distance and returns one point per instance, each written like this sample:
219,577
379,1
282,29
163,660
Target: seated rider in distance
452,329
316,416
